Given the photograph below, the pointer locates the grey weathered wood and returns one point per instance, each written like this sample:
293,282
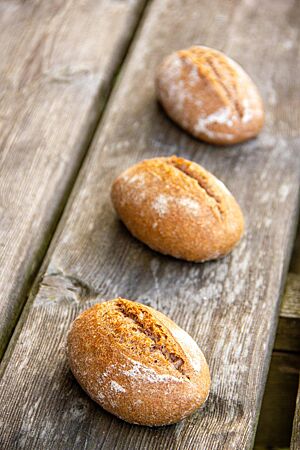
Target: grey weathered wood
231,306
295,442
57,61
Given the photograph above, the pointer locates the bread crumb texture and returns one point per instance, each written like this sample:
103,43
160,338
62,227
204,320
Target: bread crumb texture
136,363
178,208
209,95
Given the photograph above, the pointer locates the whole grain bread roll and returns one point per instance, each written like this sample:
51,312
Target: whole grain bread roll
137,363
209,95
178,208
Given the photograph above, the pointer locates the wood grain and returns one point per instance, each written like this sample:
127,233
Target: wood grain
58,59
231,306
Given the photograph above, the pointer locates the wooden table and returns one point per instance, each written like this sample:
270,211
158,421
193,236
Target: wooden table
77,107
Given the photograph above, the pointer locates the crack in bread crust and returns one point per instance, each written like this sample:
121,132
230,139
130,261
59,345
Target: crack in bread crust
224,74
144,320
183,167
233,99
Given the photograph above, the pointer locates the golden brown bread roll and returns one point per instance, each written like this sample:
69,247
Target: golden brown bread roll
137,364
178,208
210,96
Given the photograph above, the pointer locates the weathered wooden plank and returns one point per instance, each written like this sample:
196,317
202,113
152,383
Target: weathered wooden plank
288,330
295,442
230,307
58,59
278,406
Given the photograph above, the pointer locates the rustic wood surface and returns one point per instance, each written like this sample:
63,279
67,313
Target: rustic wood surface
231,306
58,59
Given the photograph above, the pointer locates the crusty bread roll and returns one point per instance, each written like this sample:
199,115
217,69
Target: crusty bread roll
210,96
178,208
137,364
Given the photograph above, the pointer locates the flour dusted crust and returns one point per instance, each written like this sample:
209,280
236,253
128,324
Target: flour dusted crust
209,95
178,208
137,364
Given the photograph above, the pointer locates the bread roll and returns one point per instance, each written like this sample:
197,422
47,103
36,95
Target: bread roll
178,208
210,96
137,364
